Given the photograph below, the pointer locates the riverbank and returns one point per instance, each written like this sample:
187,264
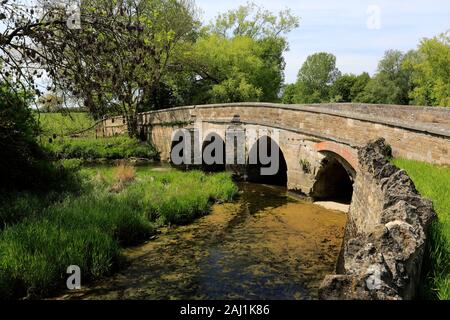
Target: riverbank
118,207
432,182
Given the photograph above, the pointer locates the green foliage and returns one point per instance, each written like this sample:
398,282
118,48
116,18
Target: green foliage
63,124
36,255
23,165
418,77
433,182
289,93
430,67
391,84
122,147
18,131
237,58
315,78
254,22
360,84
341,89
178,198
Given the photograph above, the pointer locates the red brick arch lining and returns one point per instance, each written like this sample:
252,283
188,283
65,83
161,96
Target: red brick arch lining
347,153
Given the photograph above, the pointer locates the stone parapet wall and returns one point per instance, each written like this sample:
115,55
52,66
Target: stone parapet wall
111,127
416,139
385,235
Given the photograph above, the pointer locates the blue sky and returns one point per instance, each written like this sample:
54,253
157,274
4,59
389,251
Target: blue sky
341,27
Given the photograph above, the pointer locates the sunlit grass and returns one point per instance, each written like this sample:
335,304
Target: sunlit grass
433,182
122,147
88,230
63,124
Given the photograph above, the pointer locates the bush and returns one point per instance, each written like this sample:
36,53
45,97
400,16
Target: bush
23,164
18,131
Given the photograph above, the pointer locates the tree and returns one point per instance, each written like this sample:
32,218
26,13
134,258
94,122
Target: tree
391,83
341,89
315,78
254,22
18,132
358,87
142,36
239,57
430,67
289,93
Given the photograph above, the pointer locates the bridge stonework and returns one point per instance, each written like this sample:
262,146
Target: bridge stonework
308,134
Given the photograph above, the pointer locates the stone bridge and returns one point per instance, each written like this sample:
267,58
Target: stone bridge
325,154
318,143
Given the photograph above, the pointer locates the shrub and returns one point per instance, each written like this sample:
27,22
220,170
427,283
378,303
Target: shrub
18,132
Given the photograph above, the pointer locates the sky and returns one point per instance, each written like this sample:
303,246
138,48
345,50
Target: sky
357,32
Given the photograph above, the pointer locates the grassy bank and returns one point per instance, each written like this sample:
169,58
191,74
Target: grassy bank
433,182
119,207
122,147
54,138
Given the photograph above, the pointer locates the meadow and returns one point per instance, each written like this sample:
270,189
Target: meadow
57,140
118,207
433,182
112,148
62,124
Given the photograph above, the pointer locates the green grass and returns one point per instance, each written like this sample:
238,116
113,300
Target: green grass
88,230
433,182
122,147
64,124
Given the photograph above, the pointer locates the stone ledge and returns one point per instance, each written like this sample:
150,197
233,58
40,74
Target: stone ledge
381,261
438,129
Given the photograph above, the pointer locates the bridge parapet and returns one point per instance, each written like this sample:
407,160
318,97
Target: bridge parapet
418,133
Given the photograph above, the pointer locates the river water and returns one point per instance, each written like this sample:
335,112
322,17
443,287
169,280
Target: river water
265,245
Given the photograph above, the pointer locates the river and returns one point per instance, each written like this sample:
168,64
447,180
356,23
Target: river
265,245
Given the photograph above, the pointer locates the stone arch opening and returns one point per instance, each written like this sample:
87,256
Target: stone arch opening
261,167
334,180
213,153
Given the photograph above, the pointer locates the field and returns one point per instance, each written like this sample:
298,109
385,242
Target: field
64,124
433,182
55,139
122,147
118,207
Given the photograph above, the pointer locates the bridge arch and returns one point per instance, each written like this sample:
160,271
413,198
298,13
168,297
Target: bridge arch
213,153
257,165
336,174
